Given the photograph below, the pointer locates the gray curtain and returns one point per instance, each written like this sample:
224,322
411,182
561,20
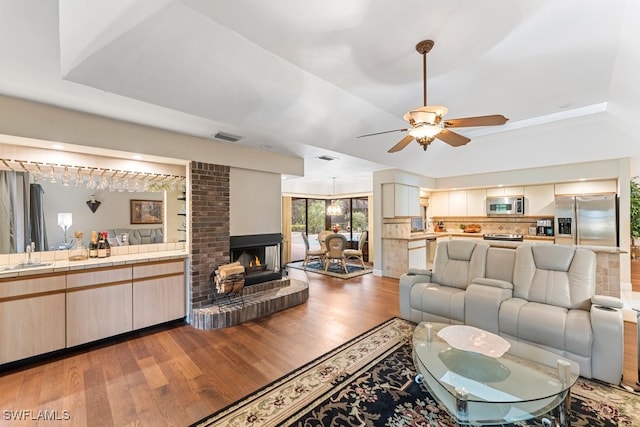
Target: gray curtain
38,227
14,213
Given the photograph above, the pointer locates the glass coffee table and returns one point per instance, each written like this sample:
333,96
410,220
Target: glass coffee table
525,382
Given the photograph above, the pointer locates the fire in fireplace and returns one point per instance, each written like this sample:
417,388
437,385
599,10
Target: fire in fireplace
261,256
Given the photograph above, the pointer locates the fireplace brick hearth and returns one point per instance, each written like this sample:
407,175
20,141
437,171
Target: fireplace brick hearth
257,301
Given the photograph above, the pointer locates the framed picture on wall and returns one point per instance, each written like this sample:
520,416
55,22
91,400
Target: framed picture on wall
146,211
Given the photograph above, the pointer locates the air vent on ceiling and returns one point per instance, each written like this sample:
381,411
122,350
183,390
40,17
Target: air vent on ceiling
327,158
227,137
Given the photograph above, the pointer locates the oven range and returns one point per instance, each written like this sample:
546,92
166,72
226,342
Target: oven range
504,237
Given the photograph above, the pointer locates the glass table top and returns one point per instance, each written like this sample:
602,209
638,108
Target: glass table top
523,383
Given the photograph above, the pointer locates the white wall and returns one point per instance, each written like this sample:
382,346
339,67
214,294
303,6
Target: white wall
255,203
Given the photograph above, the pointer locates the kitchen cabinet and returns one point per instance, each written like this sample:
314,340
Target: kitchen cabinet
587,187
539,200
99,304
159,293
32,310
457,203
505,191
439,203
418,253
477,202
399,200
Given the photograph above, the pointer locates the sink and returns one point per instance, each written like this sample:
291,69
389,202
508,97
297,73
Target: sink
25,266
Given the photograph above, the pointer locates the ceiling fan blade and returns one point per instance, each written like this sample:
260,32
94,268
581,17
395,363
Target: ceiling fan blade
380,133
493,120
400,145
452,138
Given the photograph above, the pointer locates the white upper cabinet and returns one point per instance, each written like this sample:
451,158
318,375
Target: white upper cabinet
505,191
457,203
588,187
439,203
476,202
539,200
400,200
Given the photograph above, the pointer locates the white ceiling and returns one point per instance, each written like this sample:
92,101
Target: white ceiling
306,78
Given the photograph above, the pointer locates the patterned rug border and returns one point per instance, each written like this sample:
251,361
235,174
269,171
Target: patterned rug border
286,399
257,395
298,265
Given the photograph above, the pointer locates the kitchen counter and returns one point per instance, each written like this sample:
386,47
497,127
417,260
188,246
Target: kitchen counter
64,265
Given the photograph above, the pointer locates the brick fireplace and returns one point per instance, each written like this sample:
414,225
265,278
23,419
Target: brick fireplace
266,290
260,254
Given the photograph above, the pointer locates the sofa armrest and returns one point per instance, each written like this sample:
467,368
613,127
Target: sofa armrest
419,272
406,282
495,283
606,301
482,304
608,343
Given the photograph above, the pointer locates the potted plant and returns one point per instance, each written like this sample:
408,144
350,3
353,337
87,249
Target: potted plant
635,216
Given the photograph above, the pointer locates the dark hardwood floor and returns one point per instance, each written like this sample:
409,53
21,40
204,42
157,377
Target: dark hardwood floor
179,375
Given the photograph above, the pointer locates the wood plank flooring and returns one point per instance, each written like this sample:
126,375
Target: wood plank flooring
635,275
179,375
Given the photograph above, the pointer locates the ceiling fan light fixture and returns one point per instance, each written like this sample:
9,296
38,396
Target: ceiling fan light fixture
426,130
429,114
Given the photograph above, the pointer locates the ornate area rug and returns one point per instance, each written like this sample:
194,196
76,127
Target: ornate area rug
334,270
370,382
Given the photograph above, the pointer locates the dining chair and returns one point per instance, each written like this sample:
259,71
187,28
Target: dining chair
311,253
336,244
321,238
357,253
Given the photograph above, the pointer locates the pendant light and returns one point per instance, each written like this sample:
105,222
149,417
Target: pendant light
334,209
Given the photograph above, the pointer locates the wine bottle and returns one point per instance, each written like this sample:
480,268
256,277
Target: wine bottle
93,245
106,243
102,247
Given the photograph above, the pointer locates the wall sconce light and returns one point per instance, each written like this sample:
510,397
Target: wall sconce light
65,221
93,203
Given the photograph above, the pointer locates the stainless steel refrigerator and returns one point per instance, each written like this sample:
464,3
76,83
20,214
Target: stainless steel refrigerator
589,220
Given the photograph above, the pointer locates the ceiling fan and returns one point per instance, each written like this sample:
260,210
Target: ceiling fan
427,122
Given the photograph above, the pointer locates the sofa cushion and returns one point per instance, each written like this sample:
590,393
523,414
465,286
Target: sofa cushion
441,301
500,263
457,262
556,275
138,236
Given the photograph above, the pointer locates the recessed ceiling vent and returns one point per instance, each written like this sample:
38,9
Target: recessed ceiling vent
227,137
327,158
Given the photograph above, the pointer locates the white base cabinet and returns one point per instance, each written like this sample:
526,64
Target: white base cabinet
99,304
32,317
52,311
158,293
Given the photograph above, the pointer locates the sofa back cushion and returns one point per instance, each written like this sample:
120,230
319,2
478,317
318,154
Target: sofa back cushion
457,262
500,262
555,274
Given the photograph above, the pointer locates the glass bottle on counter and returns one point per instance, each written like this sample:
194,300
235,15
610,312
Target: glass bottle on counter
78,251
93,245
106,242
102,247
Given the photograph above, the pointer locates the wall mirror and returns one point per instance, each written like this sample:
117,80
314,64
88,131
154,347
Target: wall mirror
47,195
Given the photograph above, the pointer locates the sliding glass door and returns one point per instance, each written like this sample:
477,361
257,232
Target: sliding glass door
309,216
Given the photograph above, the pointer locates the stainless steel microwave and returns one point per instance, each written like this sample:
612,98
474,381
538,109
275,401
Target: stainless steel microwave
505,206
